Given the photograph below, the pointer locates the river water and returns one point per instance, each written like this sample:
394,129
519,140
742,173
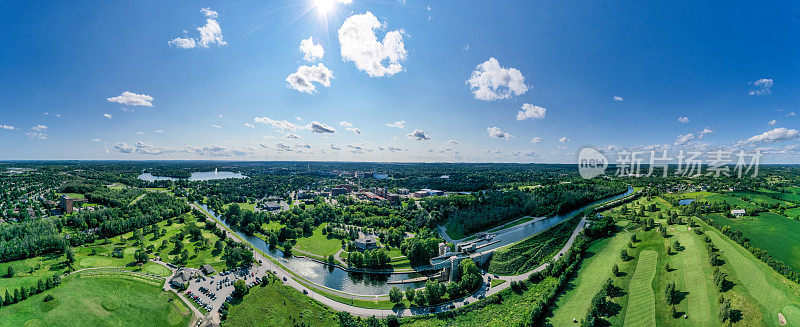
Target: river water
374,283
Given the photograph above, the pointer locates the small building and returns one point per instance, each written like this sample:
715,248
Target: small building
419,194
271,206
402,191
182,277
207,270
366,243
738,212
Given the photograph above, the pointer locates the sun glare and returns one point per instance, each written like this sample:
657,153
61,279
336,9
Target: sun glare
324,6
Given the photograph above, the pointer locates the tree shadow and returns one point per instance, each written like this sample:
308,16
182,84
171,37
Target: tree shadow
736,315
680,296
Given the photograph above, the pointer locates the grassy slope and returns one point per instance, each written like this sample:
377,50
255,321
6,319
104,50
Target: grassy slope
693,274
278,305
771,291
595,269
513,309
99,301
641,301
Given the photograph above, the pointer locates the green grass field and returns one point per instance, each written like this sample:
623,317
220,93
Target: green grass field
641,301
693,274
278,305
771,292
86,300
319,244
776,234
75,195
595,269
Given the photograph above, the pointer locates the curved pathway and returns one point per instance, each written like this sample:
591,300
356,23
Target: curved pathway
365,312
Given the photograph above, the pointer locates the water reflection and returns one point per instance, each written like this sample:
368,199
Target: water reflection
198,176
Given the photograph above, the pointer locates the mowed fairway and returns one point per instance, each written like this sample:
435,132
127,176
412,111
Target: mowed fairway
770,290
102,300
594,271
692,265
641,300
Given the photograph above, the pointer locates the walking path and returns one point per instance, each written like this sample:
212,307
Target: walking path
365,312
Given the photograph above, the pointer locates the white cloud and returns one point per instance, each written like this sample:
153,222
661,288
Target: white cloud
97,140
321,128
311,51
158,131
418,135
397,124
39,128
282,125
183,43
140,133
123,147
333,147
354,130
210,34
536,140
345,124
7,127
563,140
761,87
530,111
774,135
209,13
248,125
303,80
617,98
291,136
452,142
360,45
683,139
495,132
683,119
772,122
107,116
216,126
705,131
132,99
491,82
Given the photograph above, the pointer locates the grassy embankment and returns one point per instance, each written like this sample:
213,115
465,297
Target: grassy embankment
100,299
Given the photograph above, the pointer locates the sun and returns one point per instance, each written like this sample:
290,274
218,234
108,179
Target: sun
324,6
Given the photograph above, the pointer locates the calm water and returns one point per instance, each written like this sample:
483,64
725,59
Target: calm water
528,230
685,202
199,176
375,284
335,278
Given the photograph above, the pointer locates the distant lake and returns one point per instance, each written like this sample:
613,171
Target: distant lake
685,202
199,176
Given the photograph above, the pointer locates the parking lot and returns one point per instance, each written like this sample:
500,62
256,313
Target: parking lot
211,292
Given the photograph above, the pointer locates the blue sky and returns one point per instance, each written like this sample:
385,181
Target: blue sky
730,69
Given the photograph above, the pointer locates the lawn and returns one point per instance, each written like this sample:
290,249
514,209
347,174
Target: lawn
776,234
91,300
246,206
75,195
641,301
771,292
319,244
595,269
279,305
759,197
693,274
274,225
497,281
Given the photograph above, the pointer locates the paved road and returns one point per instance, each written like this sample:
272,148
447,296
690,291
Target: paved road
364,312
